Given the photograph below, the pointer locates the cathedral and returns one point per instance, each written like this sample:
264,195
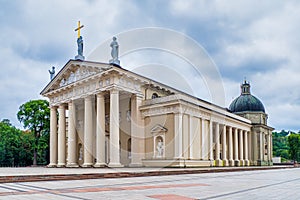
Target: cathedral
104,115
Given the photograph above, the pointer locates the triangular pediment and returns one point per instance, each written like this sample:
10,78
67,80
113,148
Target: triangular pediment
74,71
158,128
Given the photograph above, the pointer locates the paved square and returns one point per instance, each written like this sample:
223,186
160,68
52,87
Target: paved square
266,184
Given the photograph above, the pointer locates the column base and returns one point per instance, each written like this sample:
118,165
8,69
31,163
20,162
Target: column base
247,162
236,163
175,158
60,165
242,163
72,165
135,165
51,165
218,163
231,163
87,165
99,165
115,165
225,163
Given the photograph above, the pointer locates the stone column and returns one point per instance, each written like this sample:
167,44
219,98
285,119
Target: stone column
241,148
114,129
100,131
61,136
262,144
255,148
230,147
53,137
217,140
204,146
271,146
192,135
211,158
224,147
268,147
72,139
137,132
236,154
88,132
178,136
246,148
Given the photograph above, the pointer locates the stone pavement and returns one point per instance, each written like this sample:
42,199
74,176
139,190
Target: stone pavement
257,184
27,174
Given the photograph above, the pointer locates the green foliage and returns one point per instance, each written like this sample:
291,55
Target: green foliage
35,116
294,146
286,144
15,145
280,145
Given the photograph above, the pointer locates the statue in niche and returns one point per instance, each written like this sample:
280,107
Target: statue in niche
52,73
80,152
114,52
160,148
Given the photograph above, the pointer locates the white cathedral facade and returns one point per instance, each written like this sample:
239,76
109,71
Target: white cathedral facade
110,116
104,115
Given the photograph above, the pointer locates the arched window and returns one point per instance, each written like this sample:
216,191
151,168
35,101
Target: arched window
154,95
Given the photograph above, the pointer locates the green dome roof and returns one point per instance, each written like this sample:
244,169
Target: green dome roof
246,101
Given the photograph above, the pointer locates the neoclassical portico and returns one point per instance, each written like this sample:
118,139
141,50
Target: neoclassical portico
102,115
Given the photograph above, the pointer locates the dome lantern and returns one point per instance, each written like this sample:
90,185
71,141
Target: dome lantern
245,88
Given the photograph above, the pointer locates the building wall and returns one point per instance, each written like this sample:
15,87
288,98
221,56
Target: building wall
166,121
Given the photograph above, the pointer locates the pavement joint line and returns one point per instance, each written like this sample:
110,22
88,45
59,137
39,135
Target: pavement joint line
170,196
124,174
249,189
11,188
64,192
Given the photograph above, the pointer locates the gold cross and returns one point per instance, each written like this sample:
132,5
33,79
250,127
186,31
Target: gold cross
78,29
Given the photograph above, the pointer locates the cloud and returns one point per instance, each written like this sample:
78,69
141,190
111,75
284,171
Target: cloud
254,39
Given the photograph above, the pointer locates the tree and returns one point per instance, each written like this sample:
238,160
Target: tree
15,145
280,145
35,116
294,146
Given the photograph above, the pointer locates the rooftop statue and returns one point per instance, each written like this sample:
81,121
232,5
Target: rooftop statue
114,52
52,73
80,46
79,43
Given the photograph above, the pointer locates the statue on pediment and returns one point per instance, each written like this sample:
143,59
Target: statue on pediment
52,73
114,52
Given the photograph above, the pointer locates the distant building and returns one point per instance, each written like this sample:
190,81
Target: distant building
108,115
276,159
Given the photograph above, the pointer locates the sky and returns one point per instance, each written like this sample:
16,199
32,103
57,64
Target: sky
252,39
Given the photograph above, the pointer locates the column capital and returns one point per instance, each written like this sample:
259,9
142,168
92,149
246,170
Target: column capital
53,107
100,94
70,103
114,90
137,95
62,106
88,97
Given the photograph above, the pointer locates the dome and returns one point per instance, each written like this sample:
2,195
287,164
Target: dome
246,102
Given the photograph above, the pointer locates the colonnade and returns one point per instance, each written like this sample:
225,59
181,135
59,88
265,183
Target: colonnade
220,143
58,145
